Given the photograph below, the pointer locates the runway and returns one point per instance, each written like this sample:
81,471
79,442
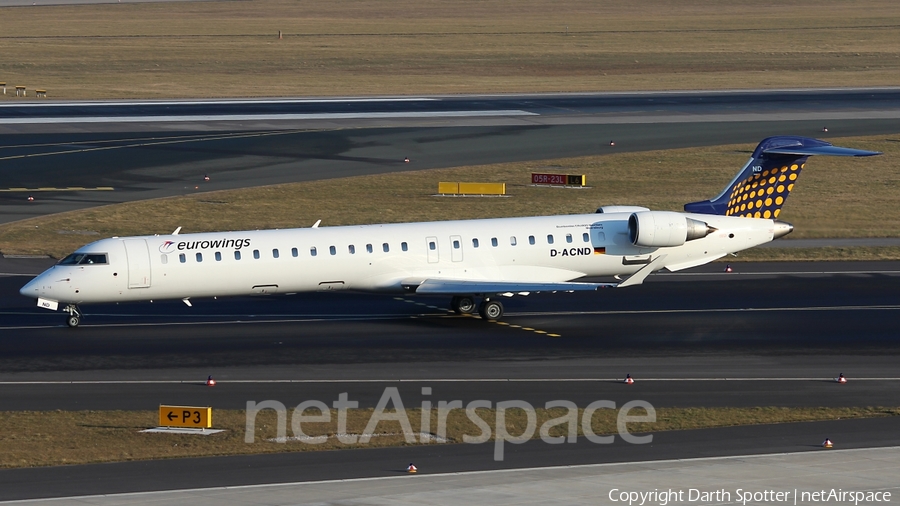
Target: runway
248,143
764,335
705,339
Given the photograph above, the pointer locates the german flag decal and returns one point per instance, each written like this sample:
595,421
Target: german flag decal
600,251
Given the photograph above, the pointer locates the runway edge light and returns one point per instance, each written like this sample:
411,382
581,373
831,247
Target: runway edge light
628,380
827,443
411,468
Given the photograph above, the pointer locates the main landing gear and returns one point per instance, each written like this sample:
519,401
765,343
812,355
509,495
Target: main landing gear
463,304
488,309
74,318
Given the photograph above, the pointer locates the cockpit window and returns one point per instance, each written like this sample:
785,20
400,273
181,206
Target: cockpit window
84,259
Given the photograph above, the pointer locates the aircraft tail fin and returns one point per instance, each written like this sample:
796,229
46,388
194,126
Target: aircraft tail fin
761,187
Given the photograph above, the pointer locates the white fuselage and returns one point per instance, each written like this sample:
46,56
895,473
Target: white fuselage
378,258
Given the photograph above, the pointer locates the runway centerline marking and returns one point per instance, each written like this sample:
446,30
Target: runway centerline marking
497,322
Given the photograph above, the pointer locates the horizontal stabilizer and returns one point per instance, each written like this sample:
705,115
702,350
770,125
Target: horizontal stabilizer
761,187
456,287
828,150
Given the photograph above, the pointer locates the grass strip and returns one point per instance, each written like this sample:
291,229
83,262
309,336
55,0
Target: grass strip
232,49
45,438
836,198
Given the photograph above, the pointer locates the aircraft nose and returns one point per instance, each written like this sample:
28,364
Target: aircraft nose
29,290
34,288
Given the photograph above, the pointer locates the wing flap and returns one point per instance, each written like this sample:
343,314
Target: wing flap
455,287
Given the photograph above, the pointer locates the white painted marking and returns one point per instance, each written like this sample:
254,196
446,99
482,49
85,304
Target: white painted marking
440,475
196,381
264,117
364,317
724,310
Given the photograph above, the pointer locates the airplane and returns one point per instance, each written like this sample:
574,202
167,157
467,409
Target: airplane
467,259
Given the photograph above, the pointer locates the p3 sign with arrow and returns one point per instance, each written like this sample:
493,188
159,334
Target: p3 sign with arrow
185,416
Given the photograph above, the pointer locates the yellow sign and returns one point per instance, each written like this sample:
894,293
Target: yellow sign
185,416
472,188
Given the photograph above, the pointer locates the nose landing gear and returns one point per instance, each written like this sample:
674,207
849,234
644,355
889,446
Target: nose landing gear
74,318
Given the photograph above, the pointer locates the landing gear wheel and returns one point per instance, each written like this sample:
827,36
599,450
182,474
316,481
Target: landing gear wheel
74,318
463,304
491,310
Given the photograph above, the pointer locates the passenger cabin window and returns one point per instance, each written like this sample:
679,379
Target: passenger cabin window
351,249
568,237
531,239
404,246
512,241
182,258
455,244
332,250
385,247
585,237
218,256
369,248
275,253
256,254
294,252
84,259
237,255
474,242
494,242
432,245
312,251
199,257
549,238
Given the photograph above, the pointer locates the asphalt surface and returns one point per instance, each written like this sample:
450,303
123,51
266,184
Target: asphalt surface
617,104
766,334
247,143
177,474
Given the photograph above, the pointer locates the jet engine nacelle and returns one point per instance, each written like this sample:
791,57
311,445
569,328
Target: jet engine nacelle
660,229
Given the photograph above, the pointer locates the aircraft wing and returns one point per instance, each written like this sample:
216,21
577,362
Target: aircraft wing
454,287
458,286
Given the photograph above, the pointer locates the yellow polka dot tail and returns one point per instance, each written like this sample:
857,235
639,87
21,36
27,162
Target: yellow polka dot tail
761,187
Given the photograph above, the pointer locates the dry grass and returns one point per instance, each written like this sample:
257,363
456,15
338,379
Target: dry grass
836,197
31,439
225,49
